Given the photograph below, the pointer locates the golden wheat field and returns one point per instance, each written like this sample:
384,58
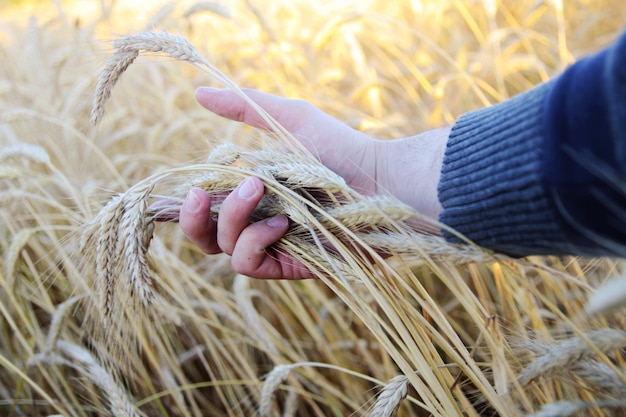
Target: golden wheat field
105,312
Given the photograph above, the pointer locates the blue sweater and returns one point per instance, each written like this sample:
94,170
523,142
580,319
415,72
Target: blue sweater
544,172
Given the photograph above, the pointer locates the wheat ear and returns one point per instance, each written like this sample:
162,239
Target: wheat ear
609,296
390,397
83,361
573,351
208,6
243,298
569,408
127,49
276,377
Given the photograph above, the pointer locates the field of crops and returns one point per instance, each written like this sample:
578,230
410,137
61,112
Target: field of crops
105,312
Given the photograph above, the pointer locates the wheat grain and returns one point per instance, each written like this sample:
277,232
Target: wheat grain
390,397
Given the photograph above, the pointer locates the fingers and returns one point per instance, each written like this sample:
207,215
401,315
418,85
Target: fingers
196,222
250,255
236,211
233,234
227,103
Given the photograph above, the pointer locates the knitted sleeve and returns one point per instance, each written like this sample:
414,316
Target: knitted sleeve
545,171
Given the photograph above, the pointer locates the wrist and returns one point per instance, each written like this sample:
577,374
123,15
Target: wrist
410,169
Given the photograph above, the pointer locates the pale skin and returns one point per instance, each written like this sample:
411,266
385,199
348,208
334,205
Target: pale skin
407,168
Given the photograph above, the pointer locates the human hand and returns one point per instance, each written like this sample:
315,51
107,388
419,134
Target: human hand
406,168
248,244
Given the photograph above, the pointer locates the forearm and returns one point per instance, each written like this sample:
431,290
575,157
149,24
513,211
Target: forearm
541,173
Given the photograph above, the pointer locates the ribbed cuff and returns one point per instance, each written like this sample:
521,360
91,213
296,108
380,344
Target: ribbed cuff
491,186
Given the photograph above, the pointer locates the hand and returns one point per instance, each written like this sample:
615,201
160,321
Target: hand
407,168
248,244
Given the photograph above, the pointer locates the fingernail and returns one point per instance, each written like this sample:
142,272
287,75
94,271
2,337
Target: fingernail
207,90
193,203
278,221
247,189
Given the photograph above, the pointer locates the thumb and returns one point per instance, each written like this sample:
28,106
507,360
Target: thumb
290,113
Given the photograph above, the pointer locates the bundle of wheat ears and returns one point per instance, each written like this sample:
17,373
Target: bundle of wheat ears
365,250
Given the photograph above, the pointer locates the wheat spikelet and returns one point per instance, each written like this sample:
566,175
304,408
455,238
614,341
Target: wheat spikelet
56,324
601,376
208,6
19,241
609,296
291,404
390,397
569,408
156,19
25,150
241,290
17,114
570,352
9,173
174,46
276,377
371,211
